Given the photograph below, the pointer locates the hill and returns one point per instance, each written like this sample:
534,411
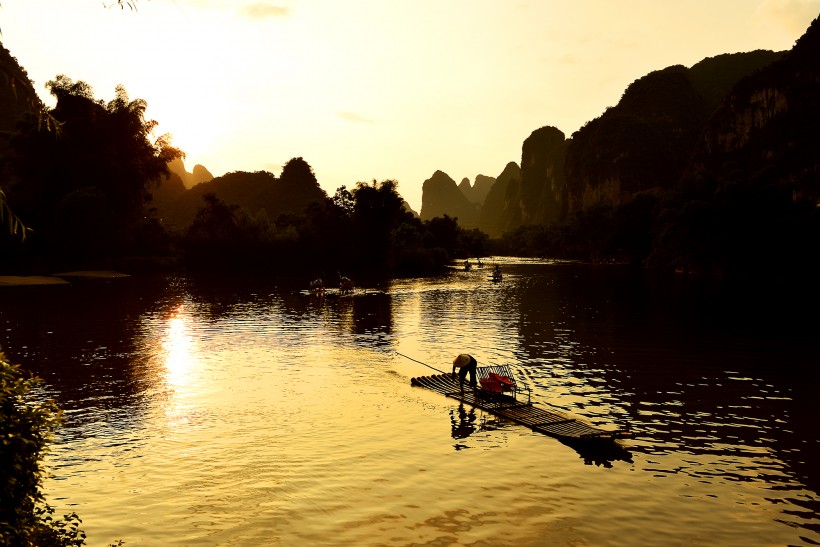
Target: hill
256,193
501,210
643,144
767,126
441,195
190,179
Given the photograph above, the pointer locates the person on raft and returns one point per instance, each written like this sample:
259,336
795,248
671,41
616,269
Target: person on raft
465,363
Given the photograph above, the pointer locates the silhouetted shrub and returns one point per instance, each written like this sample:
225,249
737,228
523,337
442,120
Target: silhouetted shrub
26,426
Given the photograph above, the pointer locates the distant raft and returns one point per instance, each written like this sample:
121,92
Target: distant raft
498,394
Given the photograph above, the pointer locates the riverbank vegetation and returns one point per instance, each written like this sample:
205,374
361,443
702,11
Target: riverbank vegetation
27,423
752,228
86,201
93,198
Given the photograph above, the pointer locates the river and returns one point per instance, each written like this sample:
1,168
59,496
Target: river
241,411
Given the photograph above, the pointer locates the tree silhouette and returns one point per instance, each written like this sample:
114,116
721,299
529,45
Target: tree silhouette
104,160
345,201
443,232
377,211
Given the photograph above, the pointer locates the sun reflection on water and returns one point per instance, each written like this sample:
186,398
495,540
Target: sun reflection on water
177,344
179,366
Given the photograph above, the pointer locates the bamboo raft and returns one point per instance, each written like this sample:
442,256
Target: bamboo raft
554,423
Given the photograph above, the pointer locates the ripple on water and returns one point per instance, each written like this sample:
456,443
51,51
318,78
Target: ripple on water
255,416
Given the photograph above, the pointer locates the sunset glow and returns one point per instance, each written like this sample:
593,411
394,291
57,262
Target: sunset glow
369,90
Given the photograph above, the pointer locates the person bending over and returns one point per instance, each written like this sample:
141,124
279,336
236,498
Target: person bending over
465,363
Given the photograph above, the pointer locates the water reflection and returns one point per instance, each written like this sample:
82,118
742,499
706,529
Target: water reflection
716,386
81,337
206,395
599,452
373,317
177,344
218,297
716,383
463,424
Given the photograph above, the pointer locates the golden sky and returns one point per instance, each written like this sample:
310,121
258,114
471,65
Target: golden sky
378,89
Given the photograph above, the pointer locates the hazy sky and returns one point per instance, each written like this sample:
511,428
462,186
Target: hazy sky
378,89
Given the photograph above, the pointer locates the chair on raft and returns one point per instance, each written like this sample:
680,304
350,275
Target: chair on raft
498,380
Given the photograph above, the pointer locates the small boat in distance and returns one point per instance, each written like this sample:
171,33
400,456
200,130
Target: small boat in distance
496,275
317,287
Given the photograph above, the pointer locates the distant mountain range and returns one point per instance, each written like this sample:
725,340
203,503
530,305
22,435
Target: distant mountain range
744,111
189,180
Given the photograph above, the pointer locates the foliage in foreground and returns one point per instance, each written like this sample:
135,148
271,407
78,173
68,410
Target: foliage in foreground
26,428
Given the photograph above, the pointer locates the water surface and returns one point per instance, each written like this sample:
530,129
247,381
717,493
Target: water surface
239,411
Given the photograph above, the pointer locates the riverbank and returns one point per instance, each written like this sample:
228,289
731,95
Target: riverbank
62,278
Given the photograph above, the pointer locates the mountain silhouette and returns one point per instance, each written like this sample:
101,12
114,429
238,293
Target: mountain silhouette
646,142
767,126
643,144
441,195
732,117
476,193
501,210
254,193
189,180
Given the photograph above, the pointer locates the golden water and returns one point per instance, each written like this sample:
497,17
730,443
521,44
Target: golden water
241,412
